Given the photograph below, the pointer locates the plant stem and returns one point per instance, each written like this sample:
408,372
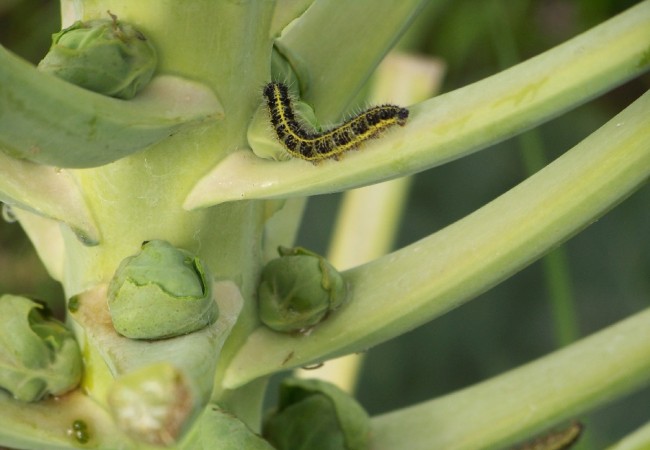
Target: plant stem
505,409
638,440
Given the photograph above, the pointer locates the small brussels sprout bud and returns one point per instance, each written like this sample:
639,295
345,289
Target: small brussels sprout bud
298,290
105,56
153,404
314,414
38,354
161,292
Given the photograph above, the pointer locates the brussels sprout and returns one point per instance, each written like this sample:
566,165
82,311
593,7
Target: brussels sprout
153,404
161,292
105,56
224,431
298,290
316,415
38,354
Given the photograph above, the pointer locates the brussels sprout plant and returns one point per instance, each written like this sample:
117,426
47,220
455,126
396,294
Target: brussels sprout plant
140,160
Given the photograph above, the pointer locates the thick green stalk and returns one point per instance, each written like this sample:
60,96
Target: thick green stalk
454,124
555,264
520,403
139,198
411,286
48,192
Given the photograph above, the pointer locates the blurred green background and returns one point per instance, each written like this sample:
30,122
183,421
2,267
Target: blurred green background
608,264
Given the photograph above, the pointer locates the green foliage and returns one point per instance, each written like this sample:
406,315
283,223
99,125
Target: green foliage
90,178
38,355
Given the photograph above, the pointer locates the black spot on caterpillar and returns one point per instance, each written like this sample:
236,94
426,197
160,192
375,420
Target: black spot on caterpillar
315,146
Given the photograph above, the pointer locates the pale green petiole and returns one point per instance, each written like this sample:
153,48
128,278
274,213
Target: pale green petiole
45,234
411,286
454,124
503,410
47,191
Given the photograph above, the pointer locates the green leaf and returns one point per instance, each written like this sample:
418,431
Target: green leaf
39,356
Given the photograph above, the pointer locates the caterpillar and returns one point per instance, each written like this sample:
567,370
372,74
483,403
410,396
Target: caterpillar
314,146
